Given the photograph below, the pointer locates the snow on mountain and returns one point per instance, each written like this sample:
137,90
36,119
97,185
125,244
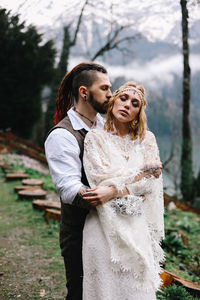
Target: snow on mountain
159,21
155,19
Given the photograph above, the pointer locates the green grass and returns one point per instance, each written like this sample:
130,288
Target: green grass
29,250
47,181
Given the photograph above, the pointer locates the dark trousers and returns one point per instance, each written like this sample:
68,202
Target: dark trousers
74,270
71,237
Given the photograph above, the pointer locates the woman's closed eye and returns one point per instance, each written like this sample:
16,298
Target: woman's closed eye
135,103
123,98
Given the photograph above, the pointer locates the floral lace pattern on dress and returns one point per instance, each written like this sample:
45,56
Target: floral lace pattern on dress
133,225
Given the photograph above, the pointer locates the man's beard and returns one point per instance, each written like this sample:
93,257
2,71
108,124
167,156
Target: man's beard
99,107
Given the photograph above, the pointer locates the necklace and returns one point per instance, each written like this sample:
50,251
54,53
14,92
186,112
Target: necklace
92,122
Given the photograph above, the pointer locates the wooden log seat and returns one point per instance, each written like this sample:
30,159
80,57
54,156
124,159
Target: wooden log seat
32,194
44,204
26,187
16,176
32,181
52,214
5,166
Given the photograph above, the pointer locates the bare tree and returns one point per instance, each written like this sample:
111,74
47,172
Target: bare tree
114,40
186,158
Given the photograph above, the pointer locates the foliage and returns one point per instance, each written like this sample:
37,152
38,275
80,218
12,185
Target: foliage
26,66
175,293
173,243
183,260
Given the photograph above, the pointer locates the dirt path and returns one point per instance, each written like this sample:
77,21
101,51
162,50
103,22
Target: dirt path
30,263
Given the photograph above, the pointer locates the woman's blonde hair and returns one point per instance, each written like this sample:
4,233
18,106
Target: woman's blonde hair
137,127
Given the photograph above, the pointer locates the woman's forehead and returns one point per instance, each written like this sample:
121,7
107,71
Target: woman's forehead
130,94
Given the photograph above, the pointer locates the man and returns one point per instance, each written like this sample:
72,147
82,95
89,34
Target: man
83,92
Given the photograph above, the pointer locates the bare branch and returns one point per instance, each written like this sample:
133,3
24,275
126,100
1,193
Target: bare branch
125,51
111,44
73,41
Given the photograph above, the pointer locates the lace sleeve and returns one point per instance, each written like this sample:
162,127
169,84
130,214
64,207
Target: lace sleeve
150,147
154,203
141,187
150,151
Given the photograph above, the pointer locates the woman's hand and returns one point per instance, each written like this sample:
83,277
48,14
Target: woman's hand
101,194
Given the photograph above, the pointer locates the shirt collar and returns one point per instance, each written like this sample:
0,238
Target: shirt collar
78,124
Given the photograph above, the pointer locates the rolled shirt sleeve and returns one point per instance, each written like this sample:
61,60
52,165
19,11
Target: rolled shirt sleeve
62,153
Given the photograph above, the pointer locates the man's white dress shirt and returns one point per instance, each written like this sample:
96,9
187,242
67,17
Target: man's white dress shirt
62,153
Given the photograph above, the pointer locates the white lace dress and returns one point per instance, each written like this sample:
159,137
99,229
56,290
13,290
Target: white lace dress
121,251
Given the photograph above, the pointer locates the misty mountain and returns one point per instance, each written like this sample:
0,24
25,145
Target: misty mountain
153,58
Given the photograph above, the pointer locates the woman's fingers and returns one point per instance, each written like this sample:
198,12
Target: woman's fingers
99,195
91,200
91,190
89,197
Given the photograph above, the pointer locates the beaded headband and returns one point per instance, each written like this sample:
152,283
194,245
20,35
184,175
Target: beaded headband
131,88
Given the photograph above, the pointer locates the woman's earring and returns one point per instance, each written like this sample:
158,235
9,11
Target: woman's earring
85,98
135,122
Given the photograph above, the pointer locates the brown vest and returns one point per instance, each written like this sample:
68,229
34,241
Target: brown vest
72,216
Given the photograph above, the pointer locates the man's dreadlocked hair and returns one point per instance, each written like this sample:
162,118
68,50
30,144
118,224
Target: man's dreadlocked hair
82,74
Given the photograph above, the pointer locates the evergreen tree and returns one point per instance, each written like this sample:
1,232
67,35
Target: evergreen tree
58,75
26,66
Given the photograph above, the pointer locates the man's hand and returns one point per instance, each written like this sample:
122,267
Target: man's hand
99,195
81,191
154,168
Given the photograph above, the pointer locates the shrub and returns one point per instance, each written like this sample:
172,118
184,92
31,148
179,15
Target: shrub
175,292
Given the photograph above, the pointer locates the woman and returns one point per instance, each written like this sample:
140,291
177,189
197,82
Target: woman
121,251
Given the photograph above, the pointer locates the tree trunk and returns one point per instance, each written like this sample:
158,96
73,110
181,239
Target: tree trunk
63,64
186,158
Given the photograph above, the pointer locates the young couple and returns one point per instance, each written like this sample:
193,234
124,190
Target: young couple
108,175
